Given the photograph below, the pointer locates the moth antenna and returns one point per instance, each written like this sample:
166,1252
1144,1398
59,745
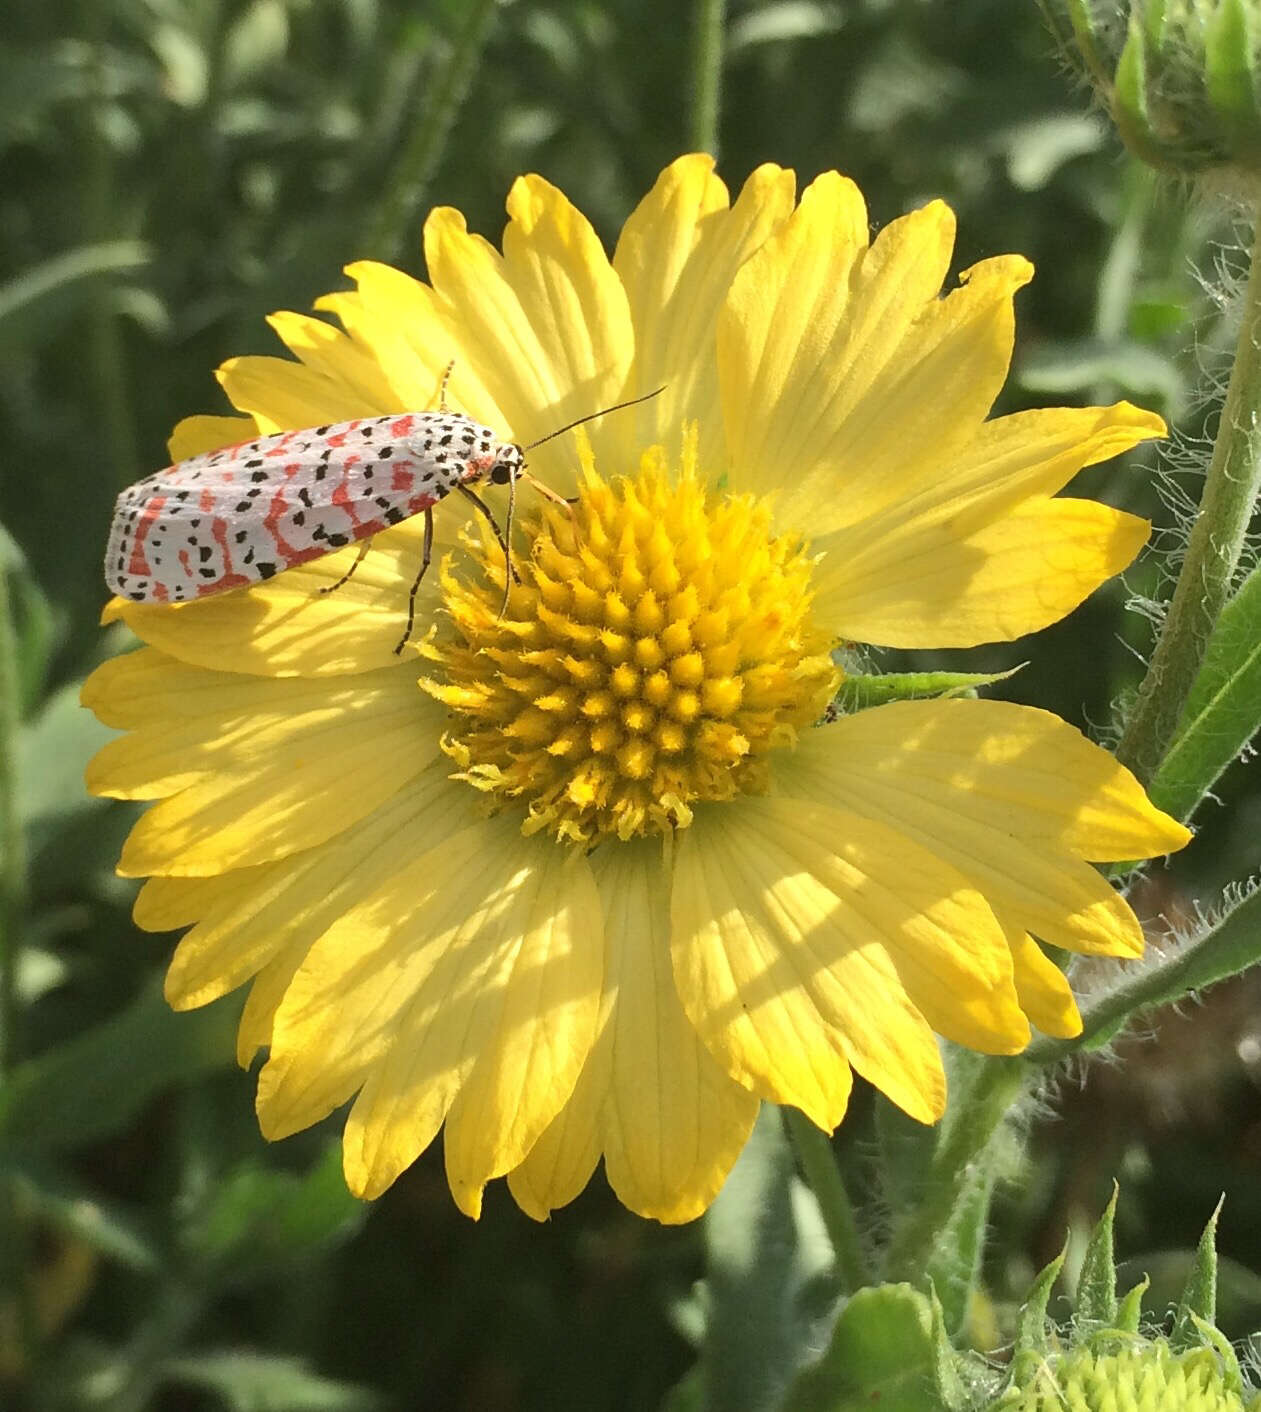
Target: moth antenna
591,416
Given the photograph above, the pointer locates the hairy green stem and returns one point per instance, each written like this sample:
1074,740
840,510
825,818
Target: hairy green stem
954,1168
818,1165
707,56
1213,550
406,184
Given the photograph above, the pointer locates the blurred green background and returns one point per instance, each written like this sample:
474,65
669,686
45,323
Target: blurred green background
171,171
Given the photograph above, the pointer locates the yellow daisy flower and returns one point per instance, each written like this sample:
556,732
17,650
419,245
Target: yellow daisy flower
583,879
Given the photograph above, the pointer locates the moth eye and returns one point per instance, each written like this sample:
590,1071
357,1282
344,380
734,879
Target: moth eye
500,474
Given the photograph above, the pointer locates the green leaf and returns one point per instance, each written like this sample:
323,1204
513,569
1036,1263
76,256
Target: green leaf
1129,96
34,303
954,1267
1229,77
259,1382
1130,1309
1070,365
1097,1284
952,1390
53,751
1230,946
97,1083
67,1205
1155,14
861,690
688,1394
1223,711
261,1218
33,623
1199,1295
1031,1327
767,1251
1037,150
882,1353
782,21
255,42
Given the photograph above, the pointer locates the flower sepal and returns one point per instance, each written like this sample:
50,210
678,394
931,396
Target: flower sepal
1103,1359
890,1346
1183,82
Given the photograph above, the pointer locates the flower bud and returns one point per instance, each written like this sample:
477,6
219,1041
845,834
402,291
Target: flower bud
1181,78
1103,1360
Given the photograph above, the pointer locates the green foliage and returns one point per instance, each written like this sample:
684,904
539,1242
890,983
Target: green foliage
1223,712
173,170
882,1352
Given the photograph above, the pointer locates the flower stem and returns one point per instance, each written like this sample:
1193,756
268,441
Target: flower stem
707,56
12,840
1213,550
954,1168
405,186
818,1165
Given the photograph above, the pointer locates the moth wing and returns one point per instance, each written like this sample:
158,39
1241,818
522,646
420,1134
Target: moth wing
238,516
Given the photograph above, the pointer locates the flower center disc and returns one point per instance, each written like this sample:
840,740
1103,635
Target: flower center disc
658,645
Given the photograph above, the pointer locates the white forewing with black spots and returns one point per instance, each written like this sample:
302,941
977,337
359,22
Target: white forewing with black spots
241,514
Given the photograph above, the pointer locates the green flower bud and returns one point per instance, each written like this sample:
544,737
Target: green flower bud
1148,1377
1181,77
1102,1363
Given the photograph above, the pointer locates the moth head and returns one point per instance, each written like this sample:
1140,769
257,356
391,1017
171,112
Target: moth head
508,464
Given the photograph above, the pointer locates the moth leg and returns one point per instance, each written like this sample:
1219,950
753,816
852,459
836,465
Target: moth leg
425,557
345,578
512,575
509,573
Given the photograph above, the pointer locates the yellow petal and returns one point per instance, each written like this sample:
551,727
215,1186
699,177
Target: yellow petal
788,307
247,917
1045,994
187,721
545,327
844,380
889,430
785,922
345,361
285,396
930,582
449,987
163,904
416,340
669,1122
1028,454
279,783
676,256
1010,796
267,993
195,435
534,1028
